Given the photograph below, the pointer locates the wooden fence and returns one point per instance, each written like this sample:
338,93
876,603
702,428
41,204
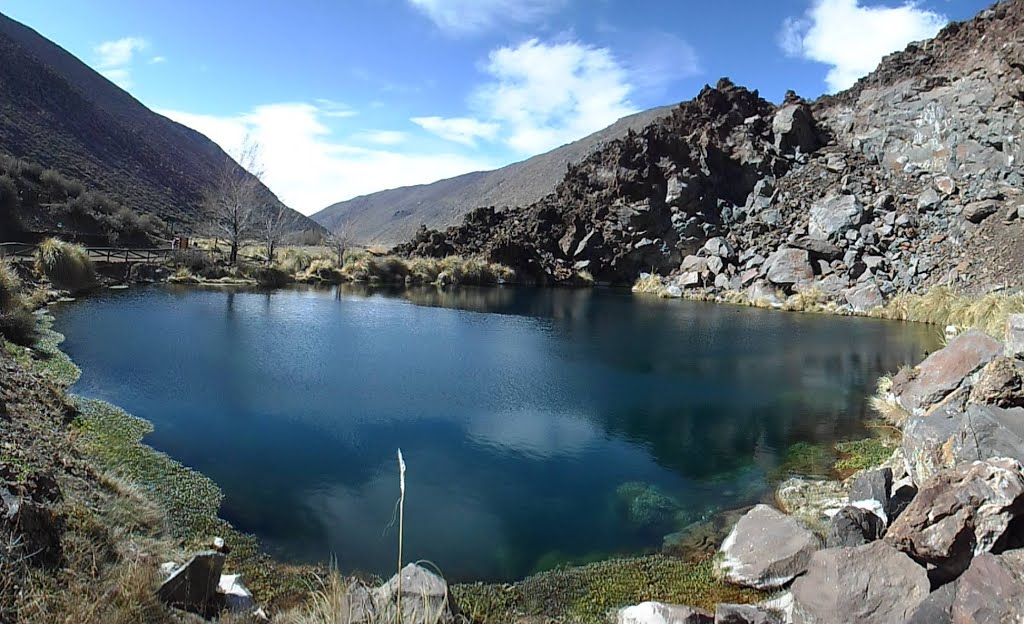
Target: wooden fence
23,252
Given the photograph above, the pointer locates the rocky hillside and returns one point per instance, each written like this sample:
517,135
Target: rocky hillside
393,216
58,113
910,178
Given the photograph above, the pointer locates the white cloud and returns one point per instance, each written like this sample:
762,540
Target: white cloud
119,52
853,38
115,57
308,167
473,16
156,60
464,130
544,95
382,137
661,59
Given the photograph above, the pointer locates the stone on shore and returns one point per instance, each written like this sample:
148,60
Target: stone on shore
937,607
854,526
960,513
193,586
812,501
744,614
944,371
1015,336
872,490
991,590
871,584
659,613
788,266
766,549
1001,384
425,598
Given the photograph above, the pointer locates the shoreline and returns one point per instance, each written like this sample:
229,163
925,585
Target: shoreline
114,439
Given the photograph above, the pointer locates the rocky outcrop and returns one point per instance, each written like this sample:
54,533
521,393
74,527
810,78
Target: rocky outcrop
854,526
194,586
868,584
766,549
944,371
908,180
990,590
961,513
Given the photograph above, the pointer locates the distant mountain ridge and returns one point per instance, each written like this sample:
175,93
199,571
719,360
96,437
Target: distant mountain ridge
60,113
394,215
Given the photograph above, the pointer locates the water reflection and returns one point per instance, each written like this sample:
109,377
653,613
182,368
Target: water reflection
522,413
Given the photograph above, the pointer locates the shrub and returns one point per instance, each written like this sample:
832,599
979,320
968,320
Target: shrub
10,285
16,321
272,277
294,261
66,265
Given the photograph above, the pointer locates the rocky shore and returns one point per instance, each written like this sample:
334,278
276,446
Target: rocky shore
935,534
908,180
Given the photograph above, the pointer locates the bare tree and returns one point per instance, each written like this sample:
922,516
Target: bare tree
273,225
236,198
339,241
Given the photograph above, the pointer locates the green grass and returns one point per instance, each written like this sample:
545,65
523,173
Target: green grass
589,593
863,454
67,266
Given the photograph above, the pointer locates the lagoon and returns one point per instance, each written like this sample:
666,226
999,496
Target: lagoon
540,426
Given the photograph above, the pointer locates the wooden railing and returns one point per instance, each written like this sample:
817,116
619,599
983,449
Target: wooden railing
23,252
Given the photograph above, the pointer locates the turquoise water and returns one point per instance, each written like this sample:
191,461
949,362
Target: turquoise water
538,426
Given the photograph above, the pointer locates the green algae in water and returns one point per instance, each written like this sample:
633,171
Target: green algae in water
50,361
864,454
805,459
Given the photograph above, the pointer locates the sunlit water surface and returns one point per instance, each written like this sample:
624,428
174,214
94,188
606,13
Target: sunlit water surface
539,426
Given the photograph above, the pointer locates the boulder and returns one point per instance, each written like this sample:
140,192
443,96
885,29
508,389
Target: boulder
871,490
865,297
870,584
1001,383
425,598
944,371
237,597
833,215
659,613
937,608
960,513
818,248
719,247
853,526
1015,336
193,586
991,590
694,264
744,614
766,549
989,431
762,291
787,266
794,129
812,501
978,211
931,441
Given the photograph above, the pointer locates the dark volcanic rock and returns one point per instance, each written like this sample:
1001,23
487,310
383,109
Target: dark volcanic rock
944,371
937,608
744,614
991,590
853,526
872,490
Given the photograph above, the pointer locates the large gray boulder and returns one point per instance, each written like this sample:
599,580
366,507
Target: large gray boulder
960,513
931,441
795,130
1001,384
990,431
864,298
833,215
944,371
1015,336
787,266
766,549
991,590
872,490
659,613
937,608
871,584
424,599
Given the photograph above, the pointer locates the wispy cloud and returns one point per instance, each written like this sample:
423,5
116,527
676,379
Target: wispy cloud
853,38
382,137
310,167
114,58
157,60
466,17
464,130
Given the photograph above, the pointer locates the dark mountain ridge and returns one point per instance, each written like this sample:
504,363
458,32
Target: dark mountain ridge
58,112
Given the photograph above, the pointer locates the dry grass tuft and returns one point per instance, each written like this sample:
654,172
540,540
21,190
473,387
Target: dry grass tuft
943,306
66,265
651,284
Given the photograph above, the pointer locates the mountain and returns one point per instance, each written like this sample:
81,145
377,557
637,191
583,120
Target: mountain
57,112
393,216
910,179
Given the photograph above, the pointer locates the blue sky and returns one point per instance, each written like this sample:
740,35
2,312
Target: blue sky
349,97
